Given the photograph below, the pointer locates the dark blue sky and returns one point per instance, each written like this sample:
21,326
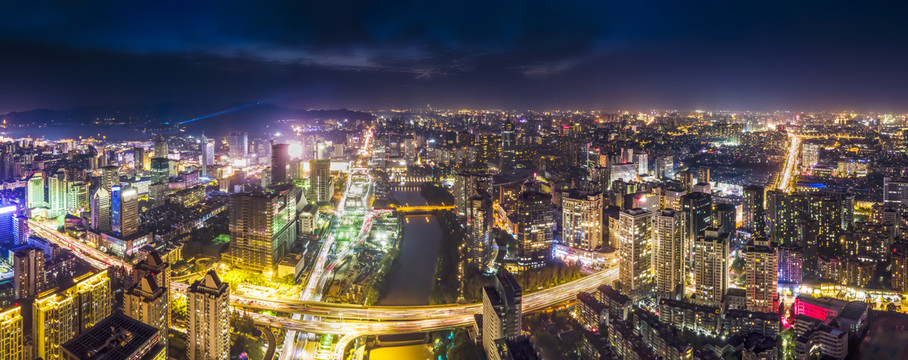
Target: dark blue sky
738,55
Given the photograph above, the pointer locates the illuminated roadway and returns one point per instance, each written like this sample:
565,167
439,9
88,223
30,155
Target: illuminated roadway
791,163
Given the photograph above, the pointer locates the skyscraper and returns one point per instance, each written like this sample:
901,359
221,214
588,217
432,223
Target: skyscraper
35,195
534,229
791,261
209,323
138,158
160,147
480,221
11,334
28,272
501,310
696,209
667,250
148,299
56,194
239,146
724,217
895,192
581,225
110,176
761,269
124,211
703,175
280,158
207,148
262,226
508,146
320,180
59,316
753,214
100,211
635,270
711,266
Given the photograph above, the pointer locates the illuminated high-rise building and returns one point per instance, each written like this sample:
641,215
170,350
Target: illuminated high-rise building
761,274
899,269
56,194
28,272
238,145
138,158
895,192
581,225
60,315
635,233
280,158
100,211
534,229
502,306
110,176
35,191
207,148
320,181
508,146
696,211
262,226
724,217
148,299
77,196
810,155
665,167
703,175
480,220
711,266
667,250
753,214
11,334
160,147
124,211
209,323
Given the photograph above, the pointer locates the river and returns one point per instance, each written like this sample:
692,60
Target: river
411,281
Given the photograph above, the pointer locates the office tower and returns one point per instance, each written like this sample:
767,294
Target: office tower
160,147
508,146
665,167
642,161
262,226
696,209
209,323
711,267
627,155
280,158
35,195
625,172
28,272
480,220
468,184
895,192
100,211
761,269
11,334
124,211
534,229
76,196
8,226
239,146
810,155
725,218
687,180
635,270
110,176
207,155
59,316
752,212
117,337
56,194
320,180
581,225
501,310
20,229
138,158
791,261
148,299
703,175
667,250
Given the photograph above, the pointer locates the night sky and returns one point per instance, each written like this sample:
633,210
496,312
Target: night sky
718,55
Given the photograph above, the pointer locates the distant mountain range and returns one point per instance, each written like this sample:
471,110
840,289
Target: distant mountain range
253,117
